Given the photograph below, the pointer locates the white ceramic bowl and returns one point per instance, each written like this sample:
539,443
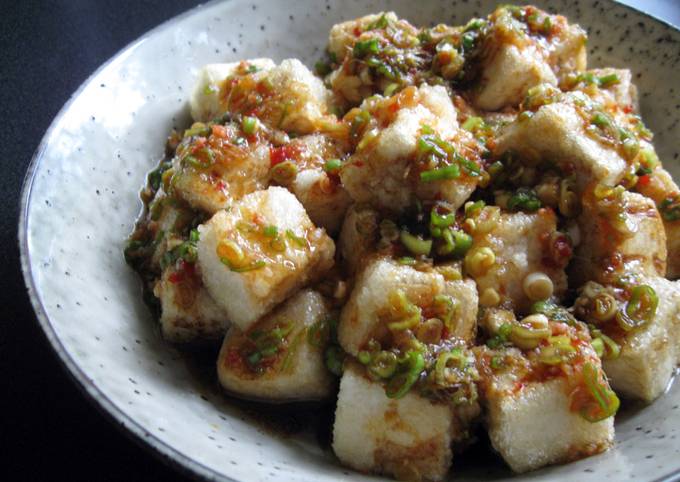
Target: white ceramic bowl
81,197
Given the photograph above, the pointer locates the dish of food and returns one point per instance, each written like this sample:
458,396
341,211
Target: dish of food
464,224
399,235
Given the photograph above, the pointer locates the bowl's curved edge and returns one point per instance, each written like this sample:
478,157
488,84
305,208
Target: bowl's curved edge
652,16
125,424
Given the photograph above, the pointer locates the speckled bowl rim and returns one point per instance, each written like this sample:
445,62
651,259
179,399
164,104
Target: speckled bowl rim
124,422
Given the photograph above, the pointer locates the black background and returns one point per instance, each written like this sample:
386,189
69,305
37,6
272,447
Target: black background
47,49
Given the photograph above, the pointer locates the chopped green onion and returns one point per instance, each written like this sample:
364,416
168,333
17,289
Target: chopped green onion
401,383
607,401
291,351
409,315
390,89
475,24
254,358
382,22
270,231
471,208
446,309
334,358
462,242
670,208
361,49
249,125
197,129
319,333
332,165
598,346
648,160
364,357
196,162
383,364
441,370
524,199
449,172
470,166
607,80
194,235
473,123
299,241
425,36
640,309
612,350
600,120
441,221
284,172
322,68
414,244
468,40
501,336
406,261
242,269
558,350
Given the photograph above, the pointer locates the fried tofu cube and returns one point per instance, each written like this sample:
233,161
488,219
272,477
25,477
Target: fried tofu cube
188,312
287,96
617,92
556,132
316,185
531,423
523,245
342,36
620,232
212,172
358,237
274,359
385,170
372,302
205,98
649,354
509,74
409,438
660,187
526,47
395,51
325,200
534,428
255,255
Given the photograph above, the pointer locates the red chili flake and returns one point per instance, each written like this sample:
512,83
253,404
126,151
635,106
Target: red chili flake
219,131
277,155
233,358
627,109
562,248
357,31
176,277
644,180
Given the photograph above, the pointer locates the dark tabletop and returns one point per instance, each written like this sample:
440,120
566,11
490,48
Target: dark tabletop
47,49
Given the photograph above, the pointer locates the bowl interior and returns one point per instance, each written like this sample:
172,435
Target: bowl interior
83,200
